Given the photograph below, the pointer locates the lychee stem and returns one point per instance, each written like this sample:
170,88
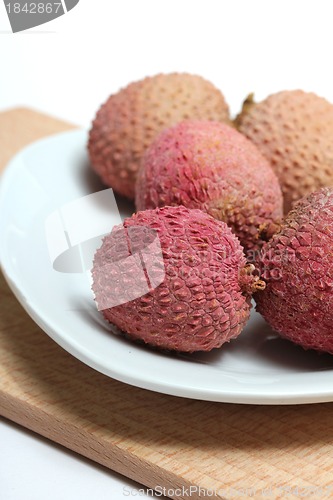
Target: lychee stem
258,285
247,105
268,229
249,282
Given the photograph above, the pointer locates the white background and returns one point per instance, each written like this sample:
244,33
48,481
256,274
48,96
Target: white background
68,68
74,62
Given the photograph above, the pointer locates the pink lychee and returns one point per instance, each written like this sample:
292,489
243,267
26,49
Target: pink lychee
210,166
297,265
129,120
203,284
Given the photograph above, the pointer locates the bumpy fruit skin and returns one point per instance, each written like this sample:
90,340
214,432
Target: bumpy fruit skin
297,265
204,298
294,130
128,121
210,166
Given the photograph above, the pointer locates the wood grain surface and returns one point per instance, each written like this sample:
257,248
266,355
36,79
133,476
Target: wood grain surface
226,450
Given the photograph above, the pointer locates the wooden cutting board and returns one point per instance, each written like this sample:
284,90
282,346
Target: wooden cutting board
234,451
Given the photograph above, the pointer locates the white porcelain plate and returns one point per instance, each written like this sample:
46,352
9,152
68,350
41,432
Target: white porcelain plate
258,367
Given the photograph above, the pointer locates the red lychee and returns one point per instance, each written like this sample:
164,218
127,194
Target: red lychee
297,265
194,296
210,166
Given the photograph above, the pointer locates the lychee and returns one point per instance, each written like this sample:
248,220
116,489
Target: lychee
297,265
210,166
174,278
294,130
129,120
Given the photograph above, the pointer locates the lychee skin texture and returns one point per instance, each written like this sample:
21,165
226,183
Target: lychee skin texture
297,265
294,130
211,166
204,298
128,121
